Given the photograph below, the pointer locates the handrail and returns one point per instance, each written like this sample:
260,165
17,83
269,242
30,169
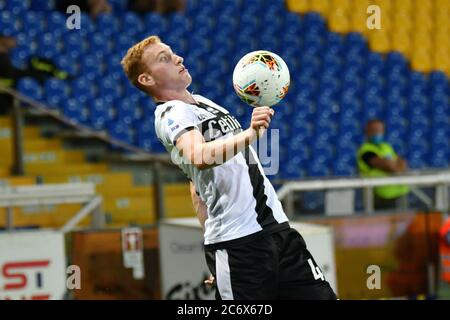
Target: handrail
442,177
46,194
440,180
87,131
54,194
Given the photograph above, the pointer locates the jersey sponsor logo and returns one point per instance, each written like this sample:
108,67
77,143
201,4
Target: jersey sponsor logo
219,126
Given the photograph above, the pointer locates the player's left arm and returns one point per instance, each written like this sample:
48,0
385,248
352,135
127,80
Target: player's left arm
202,214
199,206
402,164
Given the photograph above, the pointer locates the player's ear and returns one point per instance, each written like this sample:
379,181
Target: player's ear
146,80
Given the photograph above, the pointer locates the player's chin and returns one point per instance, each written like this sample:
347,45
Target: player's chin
187,77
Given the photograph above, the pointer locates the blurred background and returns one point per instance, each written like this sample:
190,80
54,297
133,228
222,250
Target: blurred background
81,166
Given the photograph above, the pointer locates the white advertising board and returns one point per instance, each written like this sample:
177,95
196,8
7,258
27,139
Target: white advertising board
32,265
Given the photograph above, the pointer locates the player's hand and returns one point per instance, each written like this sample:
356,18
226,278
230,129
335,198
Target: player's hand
261,118
210,280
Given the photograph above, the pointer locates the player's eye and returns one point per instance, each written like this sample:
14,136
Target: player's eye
165,58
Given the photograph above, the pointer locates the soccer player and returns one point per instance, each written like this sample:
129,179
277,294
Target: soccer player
250,248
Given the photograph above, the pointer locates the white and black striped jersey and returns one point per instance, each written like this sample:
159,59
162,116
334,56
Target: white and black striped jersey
242,203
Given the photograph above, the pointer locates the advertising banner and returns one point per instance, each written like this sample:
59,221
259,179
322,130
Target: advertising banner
32,265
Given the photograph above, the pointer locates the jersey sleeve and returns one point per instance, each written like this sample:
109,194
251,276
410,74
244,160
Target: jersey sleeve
176,119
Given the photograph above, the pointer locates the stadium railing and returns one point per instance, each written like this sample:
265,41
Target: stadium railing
439,180
54,194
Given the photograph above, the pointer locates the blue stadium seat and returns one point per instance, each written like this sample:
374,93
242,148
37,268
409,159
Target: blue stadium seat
75,109
30,88
55,92
17,6
100,114
33,20
121,131
20,56
43,5
155,24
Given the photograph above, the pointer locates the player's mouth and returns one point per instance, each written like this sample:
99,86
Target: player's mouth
183,69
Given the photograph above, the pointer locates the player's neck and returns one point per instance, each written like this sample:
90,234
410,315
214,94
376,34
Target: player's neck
184,96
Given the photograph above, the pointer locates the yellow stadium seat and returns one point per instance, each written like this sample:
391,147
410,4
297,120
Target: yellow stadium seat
402,22
107,180
341,4
358,23
28,132
126,210
5,121
4,171
132,191
359,5
320,6
338,21
17,181
421,60
178,201
403,4
33,145
423,22
379,41
299,6
68,169
31,132
385,6
441,4
422,41
42,144
48,157
48,216
358,16
403,12
442,21
401,42
442,53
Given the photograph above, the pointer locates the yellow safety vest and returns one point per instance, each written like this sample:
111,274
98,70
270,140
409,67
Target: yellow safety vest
6,82
383,151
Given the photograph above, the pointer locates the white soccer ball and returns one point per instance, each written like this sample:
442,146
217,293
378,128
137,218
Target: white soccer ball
261,78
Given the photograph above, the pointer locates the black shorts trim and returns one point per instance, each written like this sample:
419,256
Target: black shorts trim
237,242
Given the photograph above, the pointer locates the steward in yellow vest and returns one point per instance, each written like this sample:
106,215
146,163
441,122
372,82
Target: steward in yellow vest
377,158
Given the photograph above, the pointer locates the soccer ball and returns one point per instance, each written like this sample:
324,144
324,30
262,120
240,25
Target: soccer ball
261,78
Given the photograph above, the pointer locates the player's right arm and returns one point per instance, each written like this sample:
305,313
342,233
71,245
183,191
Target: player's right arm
204,155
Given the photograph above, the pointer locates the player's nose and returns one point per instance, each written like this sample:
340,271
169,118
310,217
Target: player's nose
178,59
